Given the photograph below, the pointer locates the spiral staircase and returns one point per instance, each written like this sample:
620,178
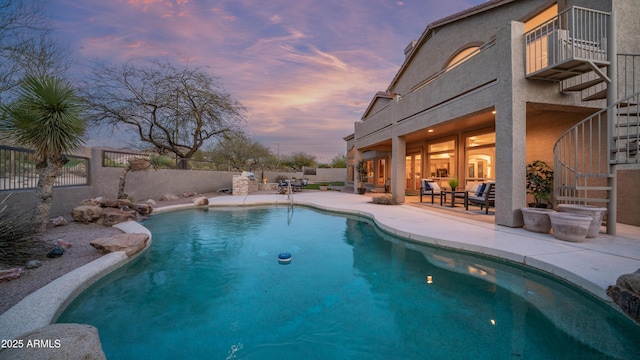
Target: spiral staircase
588,155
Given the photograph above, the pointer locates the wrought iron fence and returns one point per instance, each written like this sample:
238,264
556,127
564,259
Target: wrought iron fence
121,159
18,170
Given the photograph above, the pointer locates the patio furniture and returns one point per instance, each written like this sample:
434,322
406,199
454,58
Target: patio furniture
429,187
485,197
471,188
454,194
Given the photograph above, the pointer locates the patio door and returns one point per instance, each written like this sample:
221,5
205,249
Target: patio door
413,172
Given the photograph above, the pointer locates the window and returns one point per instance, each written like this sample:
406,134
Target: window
369,172
461,57
541,18
537,47
480,153
442,161
350,165
382,171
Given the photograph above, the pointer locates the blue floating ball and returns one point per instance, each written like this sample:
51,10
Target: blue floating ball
284,257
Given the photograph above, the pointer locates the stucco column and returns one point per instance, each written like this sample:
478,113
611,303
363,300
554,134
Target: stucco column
511,128
398,170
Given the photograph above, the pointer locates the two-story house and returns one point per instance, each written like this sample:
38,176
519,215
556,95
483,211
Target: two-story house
486,91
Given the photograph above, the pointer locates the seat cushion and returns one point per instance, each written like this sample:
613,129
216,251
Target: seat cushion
426,188
435,187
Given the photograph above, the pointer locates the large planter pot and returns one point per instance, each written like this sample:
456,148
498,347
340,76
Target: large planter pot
570,227
361,191
595,212
537,219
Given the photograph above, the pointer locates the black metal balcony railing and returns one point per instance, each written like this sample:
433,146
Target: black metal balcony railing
18,170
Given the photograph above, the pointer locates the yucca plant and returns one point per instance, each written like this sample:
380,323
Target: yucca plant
46,117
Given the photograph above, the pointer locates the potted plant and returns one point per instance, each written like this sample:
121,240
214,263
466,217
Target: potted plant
453,183
539,183
362,172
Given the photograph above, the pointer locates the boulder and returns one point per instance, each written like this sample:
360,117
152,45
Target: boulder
90,202
142,209
58,342
626,293
112,216
188,194
11,274
57,221
150,202
120,203
200,201
168,197
101,200
129,243
86,214
56,252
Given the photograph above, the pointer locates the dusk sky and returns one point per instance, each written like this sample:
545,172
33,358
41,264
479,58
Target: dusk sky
306,70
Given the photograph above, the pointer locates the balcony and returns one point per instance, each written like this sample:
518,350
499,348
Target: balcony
572,43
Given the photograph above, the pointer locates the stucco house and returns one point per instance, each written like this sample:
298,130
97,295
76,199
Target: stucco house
486,91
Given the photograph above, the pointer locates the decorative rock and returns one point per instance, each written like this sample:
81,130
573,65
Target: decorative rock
129,243
200,201
57,221
595,212
150,202
32,264
86,214
626,293
64,244
118,204
58,342
8,275
536,219
124,202
142,209
111,216
56,252
100,200
570,227
168,197
90,202
189,194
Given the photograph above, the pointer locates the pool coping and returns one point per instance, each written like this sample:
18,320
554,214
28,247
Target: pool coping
52,299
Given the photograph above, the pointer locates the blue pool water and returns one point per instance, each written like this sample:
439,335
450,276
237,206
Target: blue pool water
211,287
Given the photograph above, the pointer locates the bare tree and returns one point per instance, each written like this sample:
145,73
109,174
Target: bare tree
242,152
176,109
26,45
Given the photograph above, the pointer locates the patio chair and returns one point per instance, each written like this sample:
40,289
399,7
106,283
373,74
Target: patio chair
429,187
296,185
282,187
471,188
485,197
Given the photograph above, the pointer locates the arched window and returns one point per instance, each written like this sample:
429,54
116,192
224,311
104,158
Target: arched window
461,57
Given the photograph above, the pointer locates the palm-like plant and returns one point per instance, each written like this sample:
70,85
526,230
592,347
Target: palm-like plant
46,117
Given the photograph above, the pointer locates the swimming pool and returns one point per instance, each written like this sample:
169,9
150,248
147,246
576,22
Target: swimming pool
211,286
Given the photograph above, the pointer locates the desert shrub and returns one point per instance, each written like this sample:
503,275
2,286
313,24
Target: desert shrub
385,200
162,162
17,243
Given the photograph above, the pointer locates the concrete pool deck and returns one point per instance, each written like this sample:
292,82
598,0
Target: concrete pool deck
592,265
